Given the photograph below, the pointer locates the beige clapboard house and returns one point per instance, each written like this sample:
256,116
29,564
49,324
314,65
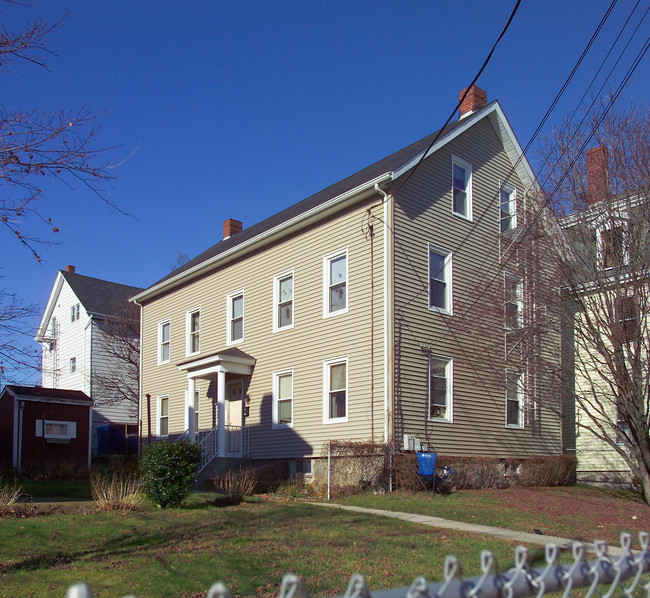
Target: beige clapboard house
348,316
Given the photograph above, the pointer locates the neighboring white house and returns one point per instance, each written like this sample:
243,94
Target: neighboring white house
75,354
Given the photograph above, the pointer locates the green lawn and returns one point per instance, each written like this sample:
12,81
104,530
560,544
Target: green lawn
580,513
249,547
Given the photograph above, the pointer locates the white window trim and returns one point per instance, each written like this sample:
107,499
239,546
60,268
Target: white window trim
229,298
448,272
188,322
521,397
519,300
160,360
276,301
276,425
456,161
326,390
73,365
74,313
599,241
511,190
159,399
449,375
326,283
71,429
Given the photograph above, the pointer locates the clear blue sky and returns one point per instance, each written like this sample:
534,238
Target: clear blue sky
239,109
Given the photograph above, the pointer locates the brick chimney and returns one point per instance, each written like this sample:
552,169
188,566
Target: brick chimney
70,268
231,227
475,100
597,174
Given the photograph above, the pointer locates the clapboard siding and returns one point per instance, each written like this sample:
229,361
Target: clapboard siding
473,336
304,348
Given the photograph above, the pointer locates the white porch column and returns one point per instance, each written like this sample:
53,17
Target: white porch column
191,407
221,411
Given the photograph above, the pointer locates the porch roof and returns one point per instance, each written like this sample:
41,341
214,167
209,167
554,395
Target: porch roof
232,361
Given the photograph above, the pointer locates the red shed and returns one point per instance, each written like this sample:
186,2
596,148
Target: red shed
45,428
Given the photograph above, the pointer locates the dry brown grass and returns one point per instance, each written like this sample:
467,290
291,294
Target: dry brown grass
117,492
236,482
9,494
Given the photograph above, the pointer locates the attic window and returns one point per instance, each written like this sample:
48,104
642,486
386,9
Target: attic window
74,313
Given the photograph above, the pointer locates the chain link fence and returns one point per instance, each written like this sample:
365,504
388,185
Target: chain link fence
356,466
602,467
602,577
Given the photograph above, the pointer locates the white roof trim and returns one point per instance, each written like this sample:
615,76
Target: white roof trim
366,187
54,295
500,124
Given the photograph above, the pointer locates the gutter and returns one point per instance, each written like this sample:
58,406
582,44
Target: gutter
356,193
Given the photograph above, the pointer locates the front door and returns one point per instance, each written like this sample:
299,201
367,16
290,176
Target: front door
234,402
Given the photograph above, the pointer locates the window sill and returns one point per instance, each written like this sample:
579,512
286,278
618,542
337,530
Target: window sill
440,310
463,217
440,420
338,420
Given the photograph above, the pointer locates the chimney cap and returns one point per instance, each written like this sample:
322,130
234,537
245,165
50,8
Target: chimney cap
475,99
70,268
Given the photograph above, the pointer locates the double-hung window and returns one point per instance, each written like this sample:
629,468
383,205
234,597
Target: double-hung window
283,399
193,327
626,311
235,309
440,388
335,373
74,313
73,365
513,302
461,188
336,283
283,301
508,203
163,342
163,416
440,296
612,250
514,399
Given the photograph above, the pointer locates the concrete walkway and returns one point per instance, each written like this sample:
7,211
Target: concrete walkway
474,528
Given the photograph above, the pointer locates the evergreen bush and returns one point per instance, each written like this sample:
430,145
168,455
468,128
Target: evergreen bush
168,470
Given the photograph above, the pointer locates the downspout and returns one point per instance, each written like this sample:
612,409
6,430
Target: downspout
387,312
88,366
140,386
19,442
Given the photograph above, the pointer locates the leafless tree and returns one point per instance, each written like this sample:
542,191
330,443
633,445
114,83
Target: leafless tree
603,258
18,358
119,344
181,259
39,146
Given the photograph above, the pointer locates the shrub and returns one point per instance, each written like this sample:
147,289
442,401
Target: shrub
117,492
548,471
236,483
168,471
